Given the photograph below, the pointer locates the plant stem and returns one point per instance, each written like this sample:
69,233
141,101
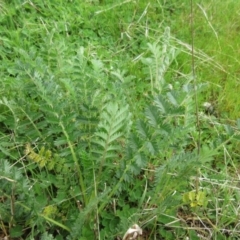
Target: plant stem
80,175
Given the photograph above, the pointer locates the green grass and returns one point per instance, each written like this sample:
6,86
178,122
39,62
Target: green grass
215,33
98,120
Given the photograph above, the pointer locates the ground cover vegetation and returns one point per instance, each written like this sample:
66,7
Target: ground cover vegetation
103,130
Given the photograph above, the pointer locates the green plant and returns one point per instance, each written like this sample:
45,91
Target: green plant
99,130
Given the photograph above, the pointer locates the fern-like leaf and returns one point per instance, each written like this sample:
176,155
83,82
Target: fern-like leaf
113,126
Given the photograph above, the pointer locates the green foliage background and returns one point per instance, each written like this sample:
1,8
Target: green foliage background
100,126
